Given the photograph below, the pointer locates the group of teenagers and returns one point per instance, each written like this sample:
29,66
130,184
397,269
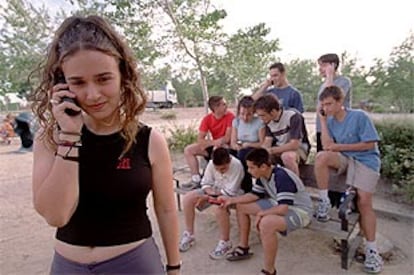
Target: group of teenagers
94,166
255,158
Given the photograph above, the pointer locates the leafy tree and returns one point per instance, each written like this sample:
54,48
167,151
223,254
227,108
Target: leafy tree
194,32
302,74
242,65
394,80
24,35
361,88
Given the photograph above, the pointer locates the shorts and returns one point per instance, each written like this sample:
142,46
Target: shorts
301,157
357,174
295,218
144,259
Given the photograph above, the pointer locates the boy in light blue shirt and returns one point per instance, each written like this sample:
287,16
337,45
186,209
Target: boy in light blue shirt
349,141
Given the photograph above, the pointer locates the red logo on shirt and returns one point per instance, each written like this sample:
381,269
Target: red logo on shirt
124,164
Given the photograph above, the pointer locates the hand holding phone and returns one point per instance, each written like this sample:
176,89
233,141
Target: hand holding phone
322,112
215,200
60,78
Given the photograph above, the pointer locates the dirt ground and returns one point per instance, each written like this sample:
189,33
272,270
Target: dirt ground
26,241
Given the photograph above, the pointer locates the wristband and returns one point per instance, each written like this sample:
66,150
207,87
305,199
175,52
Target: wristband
66,143
70,133
172,267
76,159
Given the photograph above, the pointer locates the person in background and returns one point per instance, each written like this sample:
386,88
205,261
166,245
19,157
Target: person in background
110,160
6,129
277,84
286,136
329,70
350,145
222,178
248,132
279,202
214,132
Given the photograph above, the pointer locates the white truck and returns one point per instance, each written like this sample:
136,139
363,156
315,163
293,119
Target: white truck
165,98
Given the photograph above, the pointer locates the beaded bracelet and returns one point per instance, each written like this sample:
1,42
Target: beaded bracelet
66,156
65,143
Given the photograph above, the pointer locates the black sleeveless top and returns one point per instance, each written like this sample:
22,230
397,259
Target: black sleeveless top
112,207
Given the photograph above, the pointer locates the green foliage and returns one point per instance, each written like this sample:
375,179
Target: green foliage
168,115
247,55
394,80
397,154
181,136
26,30
303,75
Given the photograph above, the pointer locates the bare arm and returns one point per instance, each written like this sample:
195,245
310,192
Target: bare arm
233,140
260,143
246,198
262,89
292,145
360,146
55,184
163,194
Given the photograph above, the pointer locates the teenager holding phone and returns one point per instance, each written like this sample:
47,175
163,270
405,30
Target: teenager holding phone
328,68
93,172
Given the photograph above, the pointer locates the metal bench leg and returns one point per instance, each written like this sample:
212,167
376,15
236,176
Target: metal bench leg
177,185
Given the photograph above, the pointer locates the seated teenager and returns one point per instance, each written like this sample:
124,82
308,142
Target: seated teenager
350,145
218,125
222,179
279,203
286,136
248,132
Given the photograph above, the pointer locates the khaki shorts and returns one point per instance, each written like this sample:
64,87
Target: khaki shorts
301,157
357,174
295,217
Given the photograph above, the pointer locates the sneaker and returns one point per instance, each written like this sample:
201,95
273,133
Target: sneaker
221,250
373,262
323,209
187,241
190,185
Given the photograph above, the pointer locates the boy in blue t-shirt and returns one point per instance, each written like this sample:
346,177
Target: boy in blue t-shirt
349,141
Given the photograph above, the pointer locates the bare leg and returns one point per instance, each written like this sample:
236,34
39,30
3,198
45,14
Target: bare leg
244,210
368,220
190,153
290,161
323,162
268,227
222,217
189,202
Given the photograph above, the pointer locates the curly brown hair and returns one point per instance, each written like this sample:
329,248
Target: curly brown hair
89,33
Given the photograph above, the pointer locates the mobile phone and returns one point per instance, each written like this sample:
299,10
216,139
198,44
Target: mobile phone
60,78
213,200
322,112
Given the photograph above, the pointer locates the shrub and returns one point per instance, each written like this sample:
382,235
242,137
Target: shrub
169,115
181,136
397,154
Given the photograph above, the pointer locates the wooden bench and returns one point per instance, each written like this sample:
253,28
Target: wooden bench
343,224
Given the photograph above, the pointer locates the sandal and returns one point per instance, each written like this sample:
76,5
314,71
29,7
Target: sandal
265,272
239,253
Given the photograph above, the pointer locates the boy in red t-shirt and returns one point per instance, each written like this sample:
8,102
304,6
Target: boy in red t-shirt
218,124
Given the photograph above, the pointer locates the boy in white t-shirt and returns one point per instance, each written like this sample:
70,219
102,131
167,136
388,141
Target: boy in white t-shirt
222,178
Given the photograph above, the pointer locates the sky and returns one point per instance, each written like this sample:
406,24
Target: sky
306,29
367,29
